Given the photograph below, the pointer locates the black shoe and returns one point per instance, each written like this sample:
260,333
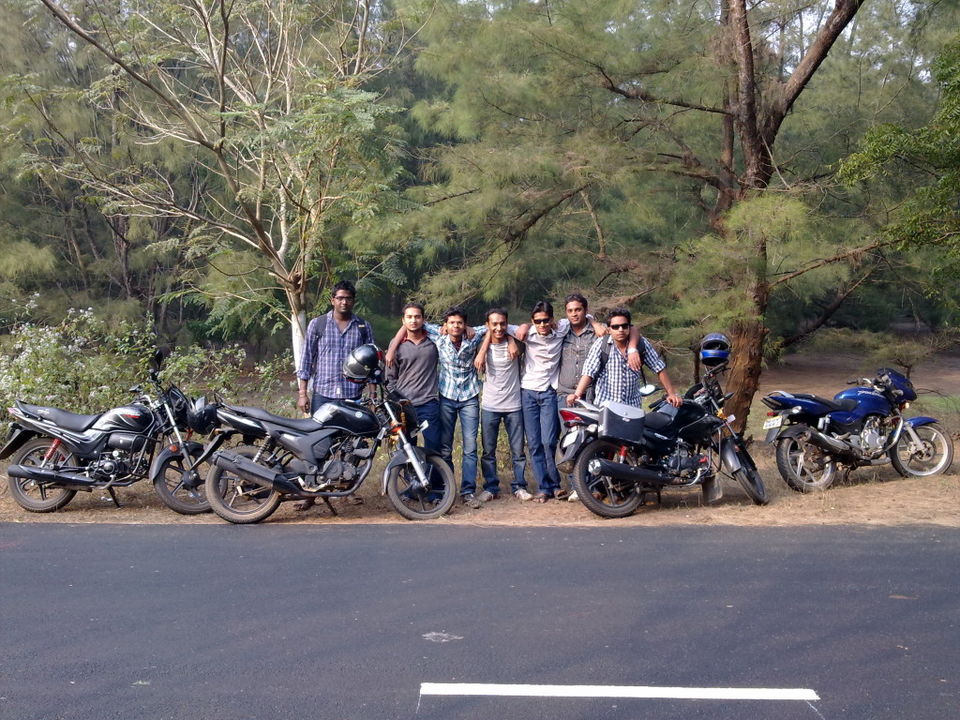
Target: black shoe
470,500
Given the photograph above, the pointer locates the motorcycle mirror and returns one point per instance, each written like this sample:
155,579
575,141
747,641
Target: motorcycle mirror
648,389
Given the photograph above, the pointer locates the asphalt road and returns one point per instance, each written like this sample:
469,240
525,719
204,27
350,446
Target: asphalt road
265,622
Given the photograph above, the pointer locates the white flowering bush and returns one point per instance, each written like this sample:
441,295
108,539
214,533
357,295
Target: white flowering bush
87,365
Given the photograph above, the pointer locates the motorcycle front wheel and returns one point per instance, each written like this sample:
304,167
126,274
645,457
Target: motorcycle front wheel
749,478
803,466
409,500
602,494
238,500
931,456
35,496
172,485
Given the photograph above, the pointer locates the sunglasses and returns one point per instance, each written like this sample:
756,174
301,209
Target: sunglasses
344,298
542,321
622,326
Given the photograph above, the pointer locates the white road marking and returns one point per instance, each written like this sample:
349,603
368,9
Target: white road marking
617,691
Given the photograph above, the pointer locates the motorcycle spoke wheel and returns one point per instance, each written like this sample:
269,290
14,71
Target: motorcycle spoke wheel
238,500
172,485
36,496
601,494
803,466
931,456
749,478
403,490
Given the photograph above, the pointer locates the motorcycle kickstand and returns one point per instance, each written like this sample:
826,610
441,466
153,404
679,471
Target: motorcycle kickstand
113,495
327,502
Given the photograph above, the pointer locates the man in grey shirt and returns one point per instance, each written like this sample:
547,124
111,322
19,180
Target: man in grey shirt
413,373
500,403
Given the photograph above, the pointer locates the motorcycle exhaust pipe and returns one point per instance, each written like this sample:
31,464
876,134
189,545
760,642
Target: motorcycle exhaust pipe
249,470
628,473
67,480
828,443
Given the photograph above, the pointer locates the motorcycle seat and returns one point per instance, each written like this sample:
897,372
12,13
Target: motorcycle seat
302,424
61,418
832,405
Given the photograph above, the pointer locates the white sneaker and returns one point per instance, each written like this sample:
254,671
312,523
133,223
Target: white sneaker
522,495
486,496
573,497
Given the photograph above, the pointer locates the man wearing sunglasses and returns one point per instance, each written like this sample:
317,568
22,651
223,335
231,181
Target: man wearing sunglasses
614,379
541,421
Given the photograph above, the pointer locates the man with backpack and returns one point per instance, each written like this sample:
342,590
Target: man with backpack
607,367
330,339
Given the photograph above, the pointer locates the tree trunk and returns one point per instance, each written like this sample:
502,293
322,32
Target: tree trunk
745,366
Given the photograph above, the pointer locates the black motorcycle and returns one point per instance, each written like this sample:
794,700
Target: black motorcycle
55,453
619,453
328,454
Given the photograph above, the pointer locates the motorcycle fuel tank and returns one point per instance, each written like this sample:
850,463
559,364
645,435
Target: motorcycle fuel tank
129,418
869,402
345,415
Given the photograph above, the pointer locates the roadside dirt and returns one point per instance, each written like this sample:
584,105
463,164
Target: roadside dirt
870,496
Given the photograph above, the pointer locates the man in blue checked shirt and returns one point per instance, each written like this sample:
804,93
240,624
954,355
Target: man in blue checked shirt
330,339
608,369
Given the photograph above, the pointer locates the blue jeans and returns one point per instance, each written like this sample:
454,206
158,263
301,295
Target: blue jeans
490,427
430,412
317,400
541,424
469,413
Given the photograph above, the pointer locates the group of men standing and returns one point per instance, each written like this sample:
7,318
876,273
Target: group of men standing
528,373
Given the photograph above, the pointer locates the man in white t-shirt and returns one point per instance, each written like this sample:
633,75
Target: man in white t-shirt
500,403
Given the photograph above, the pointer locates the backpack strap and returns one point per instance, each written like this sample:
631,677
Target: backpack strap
605,355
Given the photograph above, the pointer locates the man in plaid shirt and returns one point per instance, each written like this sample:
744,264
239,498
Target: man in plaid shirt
613,377
330,339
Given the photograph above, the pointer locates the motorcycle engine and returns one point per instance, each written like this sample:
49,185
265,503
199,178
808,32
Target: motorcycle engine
685,464
870,440
340,468
109,466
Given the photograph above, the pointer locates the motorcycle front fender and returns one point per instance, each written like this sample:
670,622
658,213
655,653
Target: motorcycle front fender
18,437
193,449
400,458
728,454
916,422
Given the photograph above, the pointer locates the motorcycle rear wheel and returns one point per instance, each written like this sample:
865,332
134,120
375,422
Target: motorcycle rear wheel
170,488
803,466
749,478
401,481
933,457
601,494
238,500
31,495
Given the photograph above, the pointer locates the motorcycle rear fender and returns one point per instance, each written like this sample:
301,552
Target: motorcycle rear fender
193,449
790,431
18,438
912,422
400,458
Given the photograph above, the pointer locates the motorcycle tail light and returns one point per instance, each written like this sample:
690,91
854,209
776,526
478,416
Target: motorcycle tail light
174,448
570,418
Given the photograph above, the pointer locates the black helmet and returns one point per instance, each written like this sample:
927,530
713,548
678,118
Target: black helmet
363,364
714,349
201,418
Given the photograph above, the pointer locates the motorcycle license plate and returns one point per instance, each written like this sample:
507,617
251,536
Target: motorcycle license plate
773,422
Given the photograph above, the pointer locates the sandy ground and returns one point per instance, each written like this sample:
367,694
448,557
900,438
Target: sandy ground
870,496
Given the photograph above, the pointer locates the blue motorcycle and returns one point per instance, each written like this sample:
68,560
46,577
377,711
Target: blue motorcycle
861,426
